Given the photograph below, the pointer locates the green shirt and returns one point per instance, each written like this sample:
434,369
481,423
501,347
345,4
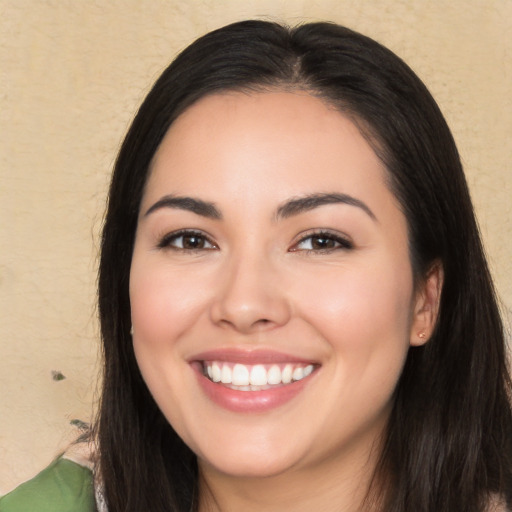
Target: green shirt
64,486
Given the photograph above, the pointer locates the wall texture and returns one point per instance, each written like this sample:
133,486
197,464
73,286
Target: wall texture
71,76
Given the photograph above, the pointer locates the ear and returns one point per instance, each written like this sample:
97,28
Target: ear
426,306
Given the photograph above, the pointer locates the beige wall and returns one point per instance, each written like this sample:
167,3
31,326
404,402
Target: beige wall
72,73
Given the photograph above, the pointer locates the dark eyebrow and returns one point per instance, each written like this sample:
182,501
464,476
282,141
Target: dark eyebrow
309,202
191,204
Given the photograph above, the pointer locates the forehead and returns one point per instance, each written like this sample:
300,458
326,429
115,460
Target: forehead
290,142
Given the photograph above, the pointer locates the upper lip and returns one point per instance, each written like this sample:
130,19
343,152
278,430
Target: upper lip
253,356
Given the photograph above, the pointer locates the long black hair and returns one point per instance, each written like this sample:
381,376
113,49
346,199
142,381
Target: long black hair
448,445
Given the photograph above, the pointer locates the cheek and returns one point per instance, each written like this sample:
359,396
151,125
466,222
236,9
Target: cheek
164,304
362,314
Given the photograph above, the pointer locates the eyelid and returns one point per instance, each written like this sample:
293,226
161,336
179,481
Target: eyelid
345,243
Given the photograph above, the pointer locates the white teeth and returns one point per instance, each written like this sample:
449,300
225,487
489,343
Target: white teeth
298,373
216,373
287,373
240,375
258,375
255,378
226,375
274,375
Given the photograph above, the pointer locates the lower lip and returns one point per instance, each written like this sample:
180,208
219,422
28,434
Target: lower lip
251,401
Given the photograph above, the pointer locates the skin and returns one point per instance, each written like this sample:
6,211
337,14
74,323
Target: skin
258,280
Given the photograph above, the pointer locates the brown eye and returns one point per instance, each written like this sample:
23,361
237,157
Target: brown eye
322,242
186,241
193,242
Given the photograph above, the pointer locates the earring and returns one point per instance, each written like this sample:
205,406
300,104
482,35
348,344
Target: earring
422,335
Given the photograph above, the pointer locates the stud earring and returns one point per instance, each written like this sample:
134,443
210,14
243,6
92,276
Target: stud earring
422,335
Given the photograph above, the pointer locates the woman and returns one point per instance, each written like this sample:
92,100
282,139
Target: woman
295,306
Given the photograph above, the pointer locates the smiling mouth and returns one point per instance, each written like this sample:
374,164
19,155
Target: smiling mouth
258,377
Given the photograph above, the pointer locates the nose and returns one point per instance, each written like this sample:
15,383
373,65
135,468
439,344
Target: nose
251,297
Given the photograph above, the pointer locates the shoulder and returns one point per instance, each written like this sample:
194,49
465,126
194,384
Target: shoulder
64,486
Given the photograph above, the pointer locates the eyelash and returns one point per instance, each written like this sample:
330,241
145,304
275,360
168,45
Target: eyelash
340,242
335,240
168,240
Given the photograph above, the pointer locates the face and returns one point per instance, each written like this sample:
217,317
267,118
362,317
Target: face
271,289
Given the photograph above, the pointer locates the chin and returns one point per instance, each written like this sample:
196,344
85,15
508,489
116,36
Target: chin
257,467
248,458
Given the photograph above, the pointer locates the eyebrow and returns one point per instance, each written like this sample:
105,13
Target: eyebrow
311,201
191,204
288,209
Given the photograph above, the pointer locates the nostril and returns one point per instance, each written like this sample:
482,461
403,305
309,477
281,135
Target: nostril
262,323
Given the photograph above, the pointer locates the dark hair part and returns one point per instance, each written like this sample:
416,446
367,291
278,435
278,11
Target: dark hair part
448,446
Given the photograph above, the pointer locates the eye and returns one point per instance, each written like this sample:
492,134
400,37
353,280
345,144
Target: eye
187,240
322,242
